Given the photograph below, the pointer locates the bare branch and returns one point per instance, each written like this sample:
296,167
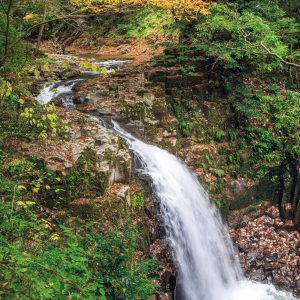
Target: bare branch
269,52
279,57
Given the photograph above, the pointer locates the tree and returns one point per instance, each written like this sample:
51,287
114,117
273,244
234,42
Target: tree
6,7
30,18
41,31
238,40
270,120
178,7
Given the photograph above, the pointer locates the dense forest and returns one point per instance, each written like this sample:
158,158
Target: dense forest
64,232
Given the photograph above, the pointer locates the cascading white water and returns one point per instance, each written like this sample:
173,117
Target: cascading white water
202,249
57,89
112,63
64,89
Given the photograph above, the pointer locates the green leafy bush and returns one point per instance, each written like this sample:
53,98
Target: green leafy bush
148,22
38,262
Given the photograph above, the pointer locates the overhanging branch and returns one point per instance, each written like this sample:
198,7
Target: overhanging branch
269,52
279,57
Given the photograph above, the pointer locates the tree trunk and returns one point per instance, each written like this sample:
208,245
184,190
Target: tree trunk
294,177
7,14
296,202
42,28
297,209
281,187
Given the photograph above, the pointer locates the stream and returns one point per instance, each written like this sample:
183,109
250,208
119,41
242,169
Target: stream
63,89
202,250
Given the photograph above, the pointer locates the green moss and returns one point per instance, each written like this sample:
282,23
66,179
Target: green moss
84,179
137,200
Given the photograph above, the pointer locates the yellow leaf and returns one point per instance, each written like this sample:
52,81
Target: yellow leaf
25,203
36,190
21,187
29,16
54,237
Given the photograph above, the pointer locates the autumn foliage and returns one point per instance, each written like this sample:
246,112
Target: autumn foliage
178,7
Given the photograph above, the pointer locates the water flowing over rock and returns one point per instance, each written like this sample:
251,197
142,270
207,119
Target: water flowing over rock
203,253
194,238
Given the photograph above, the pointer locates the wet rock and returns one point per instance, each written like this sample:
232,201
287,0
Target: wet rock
267,249
78,100
238,185
157,75
271,257
241,217
268,267
282,282
122,192
297,287
149,99
244,221
160,250
136,127
251,257
259,275
70,73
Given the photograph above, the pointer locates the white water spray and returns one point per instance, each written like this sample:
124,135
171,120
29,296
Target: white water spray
112,63
202,249
57,89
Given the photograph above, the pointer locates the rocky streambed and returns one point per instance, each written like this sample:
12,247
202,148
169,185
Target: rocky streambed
269,249
139,97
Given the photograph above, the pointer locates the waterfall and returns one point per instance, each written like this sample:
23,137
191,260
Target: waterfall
201,246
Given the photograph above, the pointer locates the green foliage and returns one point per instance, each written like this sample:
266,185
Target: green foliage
19,55
244,37
43,120
28,119
185,127
48,255
271,123
123,276
5,89
235,38
138,200
39,261
93,67
219,135
85,176
220,203
148,22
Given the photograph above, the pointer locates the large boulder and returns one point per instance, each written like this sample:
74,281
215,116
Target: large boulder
113,160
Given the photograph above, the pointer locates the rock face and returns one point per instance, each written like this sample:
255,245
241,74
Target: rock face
268,248
124,93
113,160
159,247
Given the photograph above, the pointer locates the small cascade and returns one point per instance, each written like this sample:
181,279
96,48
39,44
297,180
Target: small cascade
58,89
64,89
